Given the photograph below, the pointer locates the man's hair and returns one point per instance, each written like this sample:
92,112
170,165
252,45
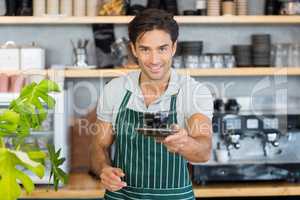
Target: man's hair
152,19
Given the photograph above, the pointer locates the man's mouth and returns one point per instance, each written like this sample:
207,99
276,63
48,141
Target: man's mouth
155,69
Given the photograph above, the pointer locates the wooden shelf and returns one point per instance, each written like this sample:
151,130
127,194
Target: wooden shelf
127,19
110,73
251,71
81,185
24,72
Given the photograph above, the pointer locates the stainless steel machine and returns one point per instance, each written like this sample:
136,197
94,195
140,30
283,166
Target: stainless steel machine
251,146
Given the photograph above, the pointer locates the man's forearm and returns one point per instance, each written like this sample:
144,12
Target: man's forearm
196,151
197,148
100,159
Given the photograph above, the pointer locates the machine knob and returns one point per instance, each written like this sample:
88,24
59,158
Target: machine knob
237,145
275,143
235,138
272,137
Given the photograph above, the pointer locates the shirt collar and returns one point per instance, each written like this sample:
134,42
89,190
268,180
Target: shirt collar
132,83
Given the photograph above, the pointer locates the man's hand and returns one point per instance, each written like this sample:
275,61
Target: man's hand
111,179
176,142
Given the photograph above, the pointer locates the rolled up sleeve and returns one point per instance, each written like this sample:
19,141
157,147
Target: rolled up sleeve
105,106
199,100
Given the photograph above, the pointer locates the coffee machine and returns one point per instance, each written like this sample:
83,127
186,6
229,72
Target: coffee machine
251,146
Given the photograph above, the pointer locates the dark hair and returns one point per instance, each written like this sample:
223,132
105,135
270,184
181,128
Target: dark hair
151,19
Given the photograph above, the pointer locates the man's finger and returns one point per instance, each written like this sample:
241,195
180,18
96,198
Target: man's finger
119,172
175,127
112,188
112,182
114,176
172,150
173,138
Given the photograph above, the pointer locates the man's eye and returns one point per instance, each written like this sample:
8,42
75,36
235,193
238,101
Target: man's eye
144,50
162,48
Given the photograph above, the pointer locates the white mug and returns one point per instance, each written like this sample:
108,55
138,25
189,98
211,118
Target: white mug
222,155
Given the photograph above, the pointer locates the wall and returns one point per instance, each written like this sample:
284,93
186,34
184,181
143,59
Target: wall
217,38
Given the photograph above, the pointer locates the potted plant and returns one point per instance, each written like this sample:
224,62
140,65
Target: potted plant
25,113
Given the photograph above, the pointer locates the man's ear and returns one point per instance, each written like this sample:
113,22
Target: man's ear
133,49
174,48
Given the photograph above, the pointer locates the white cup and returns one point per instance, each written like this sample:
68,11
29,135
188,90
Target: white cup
222,155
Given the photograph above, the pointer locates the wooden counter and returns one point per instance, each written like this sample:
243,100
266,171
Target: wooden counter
82,185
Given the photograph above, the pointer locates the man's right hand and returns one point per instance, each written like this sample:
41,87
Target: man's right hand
111,178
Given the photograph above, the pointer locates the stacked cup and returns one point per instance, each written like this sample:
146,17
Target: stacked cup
261,49
242,7
242,55
213,7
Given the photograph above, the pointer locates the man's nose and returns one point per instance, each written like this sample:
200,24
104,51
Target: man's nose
154,58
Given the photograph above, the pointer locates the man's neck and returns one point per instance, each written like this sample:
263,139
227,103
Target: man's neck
153,89
154,86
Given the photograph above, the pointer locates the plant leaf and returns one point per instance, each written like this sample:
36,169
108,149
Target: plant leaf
30,105
8,122
10,175
38,156
58,174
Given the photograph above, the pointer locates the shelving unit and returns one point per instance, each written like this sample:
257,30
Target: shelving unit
126,19
251,71
107,73
82,185
24,72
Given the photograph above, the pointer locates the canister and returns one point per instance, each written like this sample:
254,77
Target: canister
66,7
53,7
92,8
79,8
39,7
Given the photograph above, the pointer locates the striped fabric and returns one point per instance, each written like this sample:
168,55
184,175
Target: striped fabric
151,172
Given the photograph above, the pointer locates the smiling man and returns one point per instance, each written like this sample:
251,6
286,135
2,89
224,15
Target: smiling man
145,167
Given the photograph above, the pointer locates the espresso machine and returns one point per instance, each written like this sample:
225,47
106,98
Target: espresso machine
251,146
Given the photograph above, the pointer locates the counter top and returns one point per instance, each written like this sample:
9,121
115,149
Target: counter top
81,185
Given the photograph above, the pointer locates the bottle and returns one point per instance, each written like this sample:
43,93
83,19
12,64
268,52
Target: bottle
2,7
79,8
39,7
66,7
228,7
53,7
201,7
25,8
92,8
272,7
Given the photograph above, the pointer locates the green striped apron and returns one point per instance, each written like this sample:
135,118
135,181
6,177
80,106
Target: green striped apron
151,171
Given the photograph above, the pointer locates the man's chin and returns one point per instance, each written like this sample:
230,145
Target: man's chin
156,76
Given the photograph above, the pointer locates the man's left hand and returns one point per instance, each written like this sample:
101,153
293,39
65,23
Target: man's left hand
176,142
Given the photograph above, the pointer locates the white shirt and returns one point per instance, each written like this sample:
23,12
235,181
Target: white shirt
193,97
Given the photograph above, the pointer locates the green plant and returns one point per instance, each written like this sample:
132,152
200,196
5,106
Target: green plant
25,113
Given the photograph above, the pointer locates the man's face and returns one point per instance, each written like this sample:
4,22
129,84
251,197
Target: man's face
154,51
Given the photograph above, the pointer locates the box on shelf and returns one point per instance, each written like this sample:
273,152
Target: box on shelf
9,56
32,58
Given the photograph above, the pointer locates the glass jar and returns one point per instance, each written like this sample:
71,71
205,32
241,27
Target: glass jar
178,62
217,61
204,61
229,61
191,61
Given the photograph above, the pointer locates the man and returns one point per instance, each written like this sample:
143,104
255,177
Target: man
145,167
